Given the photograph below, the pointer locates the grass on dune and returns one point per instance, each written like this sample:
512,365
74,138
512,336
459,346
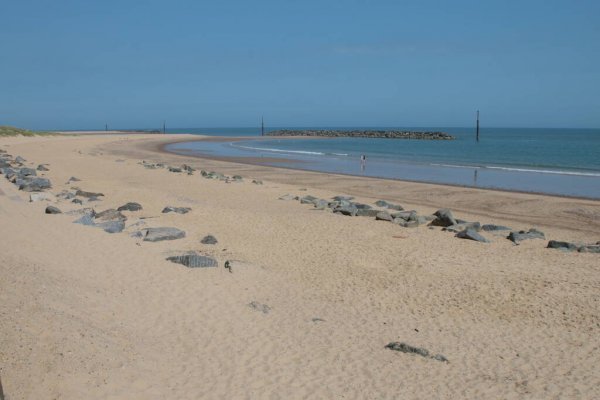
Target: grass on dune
13,131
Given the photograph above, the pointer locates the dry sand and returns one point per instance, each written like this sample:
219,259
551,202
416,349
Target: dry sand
90,315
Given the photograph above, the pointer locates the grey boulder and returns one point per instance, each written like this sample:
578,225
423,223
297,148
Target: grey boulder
590,248
163,233
177,210
346,210
492,228
444,218
518,237
89,195
34,185
471,235
407,348
52,210
111,226
130,207
384,216
367,213
194,260
564,246
110,215
209,239
308,200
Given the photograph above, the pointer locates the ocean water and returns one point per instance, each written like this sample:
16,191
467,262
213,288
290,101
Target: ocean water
552,161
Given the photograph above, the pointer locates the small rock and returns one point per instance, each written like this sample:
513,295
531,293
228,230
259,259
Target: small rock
384,216
76,201
20,159
406,224
178,210
343,198
110,215
381,203
237,178
444,218
259,307
474,226
257,182
367,213
73,179
164,233
321,204
590,248
396,207
41,196
174,169
187,168
52,210
287,197
492,227
565,246
115,226
346,210
193,260
406,215
42,167
35,185
209,239
130,207
308,200
88,195
471,235
86,219
518,237
23,172
406,348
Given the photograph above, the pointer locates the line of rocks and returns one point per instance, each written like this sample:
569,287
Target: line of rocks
110,220
184,168
391,134
444,218
25,178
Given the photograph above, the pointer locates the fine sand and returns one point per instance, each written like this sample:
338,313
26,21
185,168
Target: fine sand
90,315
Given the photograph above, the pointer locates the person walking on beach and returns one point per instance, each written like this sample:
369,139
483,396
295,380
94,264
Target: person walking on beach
363,161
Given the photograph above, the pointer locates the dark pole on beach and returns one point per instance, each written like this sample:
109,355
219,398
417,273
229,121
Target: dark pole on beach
164,126
477,134
262,126
106,127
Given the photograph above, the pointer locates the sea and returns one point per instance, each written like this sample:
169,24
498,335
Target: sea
563,162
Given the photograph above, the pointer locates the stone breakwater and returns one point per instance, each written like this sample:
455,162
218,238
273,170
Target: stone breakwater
365,134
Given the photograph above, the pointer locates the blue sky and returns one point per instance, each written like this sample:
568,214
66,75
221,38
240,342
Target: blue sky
80,64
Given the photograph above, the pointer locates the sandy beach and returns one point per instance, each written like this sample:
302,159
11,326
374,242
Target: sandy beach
312,298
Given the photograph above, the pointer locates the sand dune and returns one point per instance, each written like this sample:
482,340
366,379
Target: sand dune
87,314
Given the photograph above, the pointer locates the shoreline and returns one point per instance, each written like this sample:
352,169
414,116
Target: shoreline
549,210
256,161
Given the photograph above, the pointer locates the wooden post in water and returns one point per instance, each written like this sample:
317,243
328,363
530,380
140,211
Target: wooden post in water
477,134
262,126
164,126
106,127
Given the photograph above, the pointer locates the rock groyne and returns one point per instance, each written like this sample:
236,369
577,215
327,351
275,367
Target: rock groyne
366,134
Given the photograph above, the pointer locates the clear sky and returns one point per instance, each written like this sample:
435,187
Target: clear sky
81,64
